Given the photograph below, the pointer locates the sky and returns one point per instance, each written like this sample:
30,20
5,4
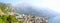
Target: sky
54,5
51,4
10,1
42,3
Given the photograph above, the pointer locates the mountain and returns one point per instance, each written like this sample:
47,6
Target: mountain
30,10
26,10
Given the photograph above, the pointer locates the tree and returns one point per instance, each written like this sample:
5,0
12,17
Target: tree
6,17
12,19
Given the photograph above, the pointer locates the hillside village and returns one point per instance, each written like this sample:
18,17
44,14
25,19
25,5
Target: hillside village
7,15
30,19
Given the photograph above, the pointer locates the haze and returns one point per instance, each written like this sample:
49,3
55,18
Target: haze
52,6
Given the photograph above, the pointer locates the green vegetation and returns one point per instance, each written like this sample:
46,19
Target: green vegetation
7,19
5,16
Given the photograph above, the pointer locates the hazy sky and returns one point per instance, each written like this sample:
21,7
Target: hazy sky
51,4
54,5
10,1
